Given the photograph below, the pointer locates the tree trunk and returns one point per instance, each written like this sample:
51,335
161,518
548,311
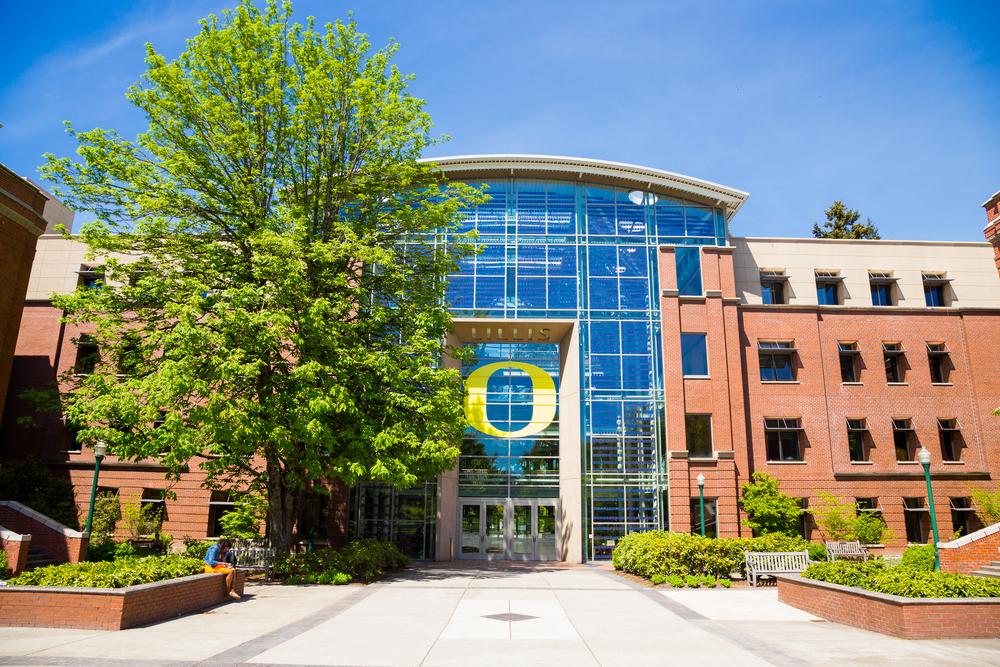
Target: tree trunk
281,509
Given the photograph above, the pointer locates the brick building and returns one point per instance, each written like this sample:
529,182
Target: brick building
627,343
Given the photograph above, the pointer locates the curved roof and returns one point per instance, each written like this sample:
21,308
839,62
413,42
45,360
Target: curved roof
594,171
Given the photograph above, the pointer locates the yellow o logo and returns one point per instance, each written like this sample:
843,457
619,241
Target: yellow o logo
543,401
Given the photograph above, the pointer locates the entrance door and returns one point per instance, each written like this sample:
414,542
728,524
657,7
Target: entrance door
508,529
545,531
471,515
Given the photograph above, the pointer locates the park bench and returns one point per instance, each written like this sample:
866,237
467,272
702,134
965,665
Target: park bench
256,555
846,551
774,562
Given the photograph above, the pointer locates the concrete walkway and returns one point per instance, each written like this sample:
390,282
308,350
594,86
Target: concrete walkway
515,615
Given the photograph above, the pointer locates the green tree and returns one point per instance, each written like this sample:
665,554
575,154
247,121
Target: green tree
769,510
987,503
842,223
835,517
275,259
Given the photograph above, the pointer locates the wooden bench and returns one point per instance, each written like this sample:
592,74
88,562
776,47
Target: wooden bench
846,551
255,555
774,562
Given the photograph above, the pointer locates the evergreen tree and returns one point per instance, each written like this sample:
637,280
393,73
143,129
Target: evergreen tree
842,223
274,258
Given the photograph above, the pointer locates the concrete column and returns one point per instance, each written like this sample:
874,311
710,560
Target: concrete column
446,533
569,535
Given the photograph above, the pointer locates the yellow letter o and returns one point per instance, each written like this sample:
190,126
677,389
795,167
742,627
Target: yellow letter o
543,400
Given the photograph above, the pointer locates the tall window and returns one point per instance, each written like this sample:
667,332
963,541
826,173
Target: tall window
776,360
857,436
939,361
698,429
902,439
154,498
893,356
772,286
90,277
963,516
803,517
694,354
688,271
88,354
882,286
951,440
711,517
868,505
828,287
220,503
916,518
781,437
849,353
935,285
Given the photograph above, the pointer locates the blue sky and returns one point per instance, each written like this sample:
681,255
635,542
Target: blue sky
892,107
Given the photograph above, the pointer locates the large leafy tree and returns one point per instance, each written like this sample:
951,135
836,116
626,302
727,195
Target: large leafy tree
768,509
842,223
274,258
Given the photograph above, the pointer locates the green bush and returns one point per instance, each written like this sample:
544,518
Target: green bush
246,517
364,559
769,510
117,574
194,548
107,512
725,583
919,557
658,579
4,565
903,580
33,484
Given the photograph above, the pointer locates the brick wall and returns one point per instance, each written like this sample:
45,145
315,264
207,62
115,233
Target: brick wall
972,551
16,547
992,231
112,609
63,547
909,618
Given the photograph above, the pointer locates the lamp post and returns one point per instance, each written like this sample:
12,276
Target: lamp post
924,457
701,501
99,450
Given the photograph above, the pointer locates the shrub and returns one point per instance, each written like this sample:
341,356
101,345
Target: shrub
658,579
33,484
725,583
4,565
769,510
140,519
244,520
870,528
118,574
903,580
675,580
692,581
919,557
194,548
107,512
364,559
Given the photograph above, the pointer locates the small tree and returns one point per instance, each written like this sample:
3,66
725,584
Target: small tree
836,517
244,520
842,223
769,510
987,505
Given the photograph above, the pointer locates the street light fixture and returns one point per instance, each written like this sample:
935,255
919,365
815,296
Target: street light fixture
701,501
924,457
100,449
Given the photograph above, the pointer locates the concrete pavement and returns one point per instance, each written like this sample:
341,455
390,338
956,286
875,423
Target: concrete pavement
514,615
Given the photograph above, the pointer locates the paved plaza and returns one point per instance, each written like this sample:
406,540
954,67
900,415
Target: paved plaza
513,615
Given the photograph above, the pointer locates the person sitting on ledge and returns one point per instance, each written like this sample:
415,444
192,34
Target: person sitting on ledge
219,558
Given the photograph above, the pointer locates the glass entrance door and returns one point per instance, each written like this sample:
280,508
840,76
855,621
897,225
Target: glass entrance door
545,531
471,515
508,529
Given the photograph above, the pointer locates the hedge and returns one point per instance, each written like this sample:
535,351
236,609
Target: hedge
659,552
902,580
363,559
116,574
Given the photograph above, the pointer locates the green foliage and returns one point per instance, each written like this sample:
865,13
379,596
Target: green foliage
246,517
842,223
194,548
769,510
288,302
107,513
32,483
117,574
987,504
664,553
658,579
870,528
919,557
365,559
675,580
140,519
725,583
840,520
4,565
903,580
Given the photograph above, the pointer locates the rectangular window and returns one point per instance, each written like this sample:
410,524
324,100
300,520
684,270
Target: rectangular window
90,277
951,440
776,361
220,503
828,287
711,512
939,361
882,285
782,439
848,361
153,498
688,271
88,354
916,517
857,436
902,439
868,505
893,356
804,517
694,354
935,289
963,516
698,430
772,290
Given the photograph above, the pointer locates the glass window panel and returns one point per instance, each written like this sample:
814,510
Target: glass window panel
531,292
604,294
700,221
826,294
606,417
459,293
636,337
634,294
637,372
698,434
605,372
669,220
688,271
600,218
602,260
531,260
562,260
491,260
604,338
694,353
562,293
632,261
489,293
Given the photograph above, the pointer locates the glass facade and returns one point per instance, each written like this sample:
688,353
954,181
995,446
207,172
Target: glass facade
556,250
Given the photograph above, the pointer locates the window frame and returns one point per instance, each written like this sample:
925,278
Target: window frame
859,429
688,431
770,349
850,354
88,355
949,426
829,279
780,430
938,356
918,513
879,280
704,338
711,516
902,428
892,357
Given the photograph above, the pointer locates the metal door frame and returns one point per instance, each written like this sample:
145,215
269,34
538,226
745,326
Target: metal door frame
508,526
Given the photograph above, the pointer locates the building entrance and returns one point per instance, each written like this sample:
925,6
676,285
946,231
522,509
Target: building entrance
508,528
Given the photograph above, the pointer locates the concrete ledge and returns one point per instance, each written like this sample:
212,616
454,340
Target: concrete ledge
112,608
41,518
909,618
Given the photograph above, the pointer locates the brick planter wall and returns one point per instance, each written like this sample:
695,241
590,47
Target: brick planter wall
909,618
61,543
112,608
972,551
16,547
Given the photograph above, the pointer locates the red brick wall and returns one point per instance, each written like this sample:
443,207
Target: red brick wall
17,553
908,618
992,230
964,557
63,548
104,609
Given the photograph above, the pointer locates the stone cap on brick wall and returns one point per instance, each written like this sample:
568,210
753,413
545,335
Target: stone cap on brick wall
76,590
971,537
41,518
11,536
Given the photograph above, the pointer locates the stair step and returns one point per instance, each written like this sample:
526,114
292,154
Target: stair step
989,568
986,575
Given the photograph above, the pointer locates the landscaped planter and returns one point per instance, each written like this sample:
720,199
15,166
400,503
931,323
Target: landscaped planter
112,608
910,618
